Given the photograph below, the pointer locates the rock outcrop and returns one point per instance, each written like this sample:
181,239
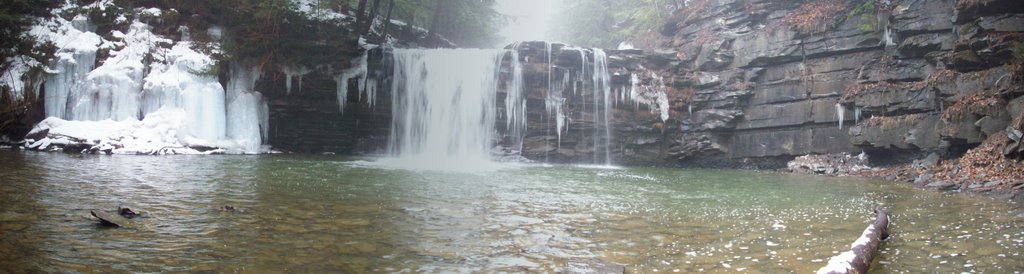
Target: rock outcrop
748,86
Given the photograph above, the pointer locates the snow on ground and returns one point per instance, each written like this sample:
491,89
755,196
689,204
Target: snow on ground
316,11
160,132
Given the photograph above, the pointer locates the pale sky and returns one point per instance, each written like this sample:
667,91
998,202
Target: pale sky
529,19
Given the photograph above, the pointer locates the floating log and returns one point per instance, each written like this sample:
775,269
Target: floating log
109,219
858,259
575,266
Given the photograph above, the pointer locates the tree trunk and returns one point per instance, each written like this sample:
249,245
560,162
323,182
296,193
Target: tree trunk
858,259
361,15
439,10
369,21
387,22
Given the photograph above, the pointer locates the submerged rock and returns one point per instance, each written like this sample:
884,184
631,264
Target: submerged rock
576,266
111,220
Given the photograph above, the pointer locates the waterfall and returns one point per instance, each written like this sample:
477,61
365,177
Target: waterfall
515,102
444,107
602,108
548,102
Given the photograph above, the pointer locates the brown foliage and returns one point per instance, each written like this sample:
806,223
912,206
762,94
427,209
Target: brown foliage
962,4
938,76
974,103
687,94
693,9
983,163
892,122
815,16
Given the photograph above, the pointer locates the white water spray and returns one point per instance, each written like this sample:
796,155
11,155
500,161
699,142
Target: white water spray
444,108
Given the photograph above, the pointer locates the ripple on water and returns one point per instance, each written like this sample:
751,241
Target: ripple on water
328,214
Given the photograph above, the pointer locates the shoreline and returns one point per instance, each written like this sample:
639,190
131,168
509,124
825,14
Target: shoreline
930,174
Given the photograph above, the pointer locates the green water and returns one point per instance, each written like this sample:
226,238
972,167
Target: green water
305,214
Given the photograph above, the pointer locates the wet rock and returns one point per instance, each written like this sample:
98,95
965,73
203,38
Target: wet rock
592,266
7,227
920,45
713,119
942,185
928,162
990,125
923,180
829,164
111,220
38,135
127,212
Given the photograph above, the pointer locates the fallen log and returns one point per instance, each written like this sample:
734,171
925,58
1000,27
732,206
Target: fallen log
858,258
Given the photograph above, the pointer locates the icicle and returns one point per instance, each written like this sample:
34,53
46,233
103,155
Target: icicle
293,72
841,114
288,82
653,95
186,36
264,113
359,69
515,101
856,115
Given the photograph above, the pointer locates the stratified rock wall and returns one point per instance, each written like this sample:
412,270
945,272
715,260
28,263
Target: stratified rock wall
746,86
747,89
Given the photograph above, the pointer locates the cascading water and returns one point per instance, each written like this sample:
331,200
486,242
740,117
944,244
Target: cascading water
602,107
445,105
444,108
515,103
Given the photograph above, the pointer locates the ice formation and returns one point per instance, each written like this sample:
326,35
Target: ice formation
515,101
176,84
150,96
366,85
841,114
652,95
291,73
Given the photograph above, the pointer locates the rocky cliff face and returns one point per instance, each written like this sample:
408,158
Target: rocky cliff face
751,85
747,83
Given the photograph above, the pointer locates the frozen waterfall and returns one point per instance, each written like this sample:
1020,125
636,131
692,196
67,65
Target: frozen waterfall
151,96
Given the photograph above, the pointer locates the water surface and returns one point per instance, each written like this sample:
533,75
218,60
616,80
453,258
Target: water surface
333,214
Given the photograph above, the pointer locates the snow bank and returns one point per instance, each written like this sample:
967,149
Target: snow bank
159,133
316,10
